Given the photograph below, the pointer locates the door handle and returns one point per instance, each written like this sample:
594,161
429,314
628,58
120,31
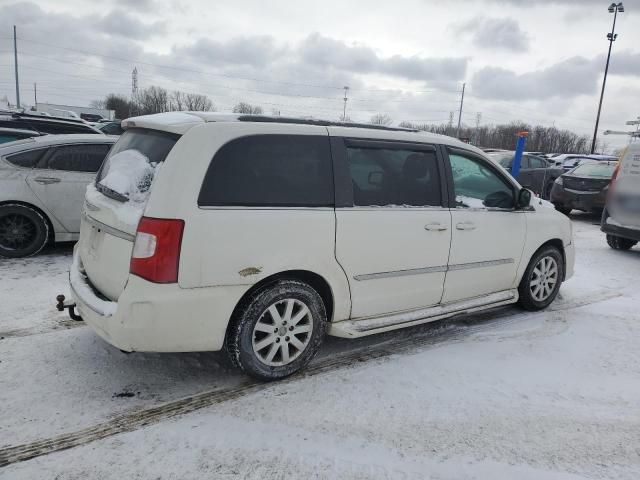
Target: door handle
46,180
466,226
436,227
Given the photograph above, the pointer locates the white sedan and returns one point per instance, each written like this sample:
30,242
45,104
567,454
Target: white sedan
42,187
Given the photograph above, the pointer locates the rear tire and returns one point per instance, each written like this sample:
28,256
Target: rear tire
23,231
619,243
277,330
542,278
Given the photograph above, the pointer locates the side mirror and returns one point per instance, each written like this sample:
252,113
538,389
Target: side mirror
524,199
375,178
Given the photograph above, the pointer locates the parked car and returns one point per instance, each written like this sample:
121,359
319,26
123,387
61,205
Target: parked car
621,216
570,161
535,172
259,235
583,188
13,134
91,117
45,123
110,128
42,187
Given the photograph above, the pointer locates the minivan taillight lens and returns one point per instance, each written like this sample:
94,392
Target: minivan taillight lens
156,251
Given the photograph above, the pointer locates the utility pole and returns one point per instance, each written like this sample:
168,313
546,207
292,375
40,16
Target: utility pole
15,56
478,118
134,90
460,112
344,109
35,96
613,8
450,124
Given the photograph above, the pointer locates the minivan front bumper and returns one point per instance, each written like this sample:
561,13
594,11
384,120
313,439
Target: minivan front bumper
151,317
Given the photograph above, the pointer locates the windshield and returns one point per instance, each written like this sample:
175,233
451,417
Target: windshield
600,170
129,168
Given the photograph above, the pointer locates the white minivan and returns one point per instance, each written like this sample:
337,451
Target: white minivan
260,235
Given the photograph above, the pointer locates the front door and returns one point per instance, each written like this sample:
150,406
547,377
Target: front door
392,230
487,233
61,177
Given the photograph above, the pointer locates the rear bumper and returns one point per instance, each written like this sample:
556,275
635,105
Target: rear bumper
152,317
585,201
620,231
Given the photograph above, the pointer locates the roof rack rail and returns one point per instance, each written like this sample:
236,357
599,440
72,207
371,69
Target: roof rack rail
322,123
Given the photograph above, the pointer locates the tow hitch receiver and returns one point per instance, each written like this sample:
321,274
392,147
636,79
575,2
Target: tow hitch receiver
61,306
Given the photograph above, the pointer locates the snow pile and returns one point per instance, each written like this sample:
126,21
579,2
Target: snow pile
128,213
86,295
130,174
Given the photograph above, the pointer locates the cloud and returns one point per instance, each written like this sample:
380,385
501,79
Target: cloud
258,51
140,5
495,33
362,59
119,22
571,77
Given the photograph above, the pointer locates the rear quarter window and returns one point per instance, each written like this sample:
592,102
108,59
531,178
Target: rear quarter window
270,171
26,159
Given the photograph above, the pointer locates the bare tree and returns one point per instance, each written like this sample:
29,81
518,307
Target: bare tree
247,108
152,100
196,102
540,139
120,104
96,104
381,119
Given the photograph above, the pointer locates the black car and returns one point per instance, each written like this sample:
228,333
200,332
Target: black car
536,173
583,188
44,123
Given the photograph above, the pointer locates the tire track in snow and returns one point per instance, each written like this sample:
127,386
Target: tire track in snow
446,332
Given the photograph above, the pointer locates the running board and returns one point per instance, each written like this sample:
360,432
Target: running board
370,325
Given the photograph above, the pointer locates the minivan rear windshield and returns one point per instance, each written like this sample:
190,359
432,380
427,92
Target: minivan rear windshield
117,179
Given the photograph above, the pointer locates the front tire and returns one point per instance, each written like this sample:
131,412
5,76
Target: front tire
619,243
277,330
542,278
23,231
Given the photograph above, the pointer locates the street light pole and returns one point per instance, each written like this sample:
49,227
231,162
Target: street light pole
613,8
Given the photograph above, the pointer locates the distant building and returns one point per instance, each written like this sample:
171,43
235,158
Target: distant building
71,111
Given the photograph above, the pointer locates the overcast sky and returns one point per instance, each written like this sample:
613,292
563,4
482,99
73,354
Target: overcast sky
539,61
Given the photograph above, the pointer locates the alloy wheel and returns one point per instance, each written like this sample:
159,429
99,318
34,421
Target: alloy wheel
282,332
16,231
544,278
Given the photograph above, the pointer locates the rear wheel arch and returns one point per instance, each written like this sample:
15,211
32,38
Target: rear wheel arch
314,280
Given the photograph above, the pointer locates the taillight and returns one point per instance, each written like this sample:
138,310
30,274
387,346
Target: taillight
156,251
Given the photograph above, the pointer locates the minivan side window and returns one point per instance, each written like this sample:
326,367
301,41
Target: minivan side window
383,177
77,158
27,159
270,171
476,185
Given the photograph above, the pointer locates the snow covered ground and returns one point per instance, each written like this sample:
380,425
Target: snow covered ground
500,395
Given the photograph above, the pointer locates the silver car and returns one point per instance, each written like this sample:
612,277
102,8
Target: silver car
42,187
